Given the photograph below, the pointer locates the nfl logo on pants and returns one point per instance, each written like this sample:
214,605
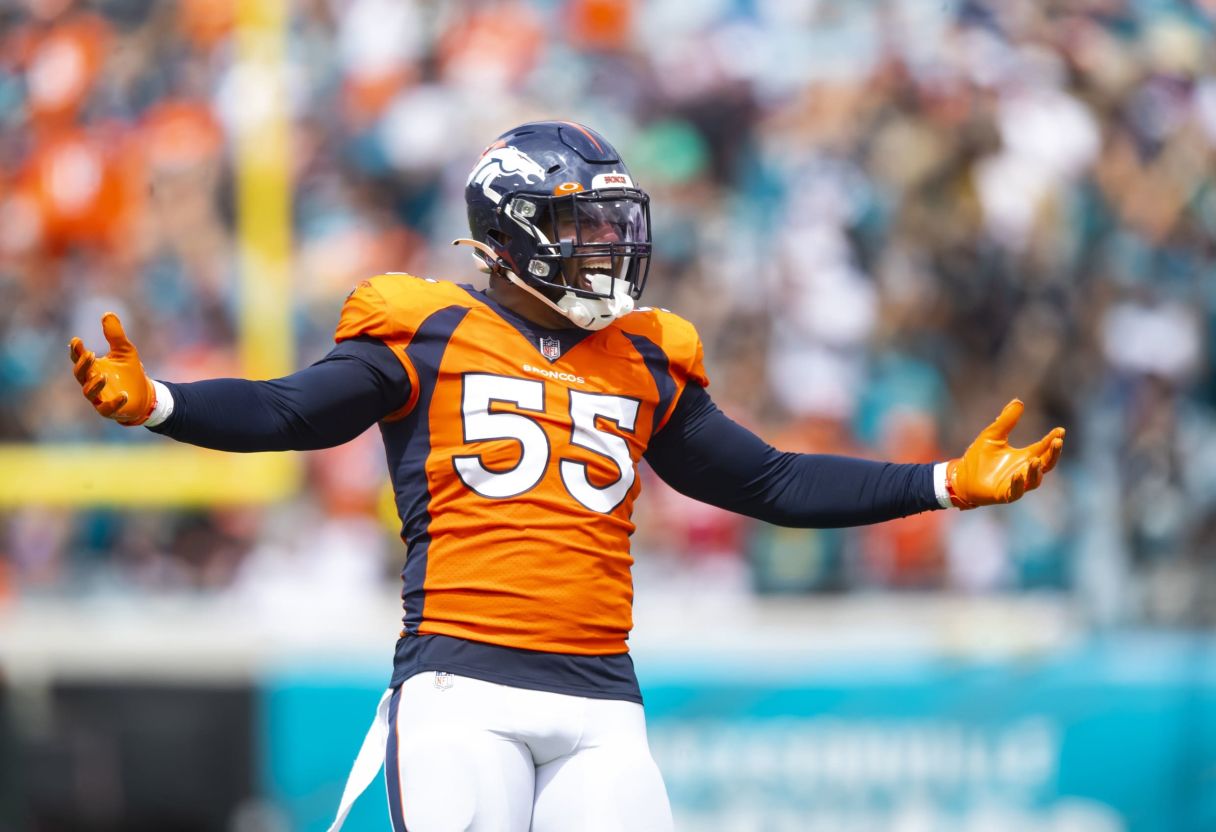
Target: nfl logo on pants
550,348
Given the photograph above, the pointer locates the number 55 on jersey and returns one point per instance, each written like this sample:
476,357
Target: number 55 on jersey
561,437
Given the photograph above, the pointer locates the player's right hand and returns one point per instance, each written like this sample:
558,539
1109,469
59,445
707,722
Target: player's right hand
993,471
116,383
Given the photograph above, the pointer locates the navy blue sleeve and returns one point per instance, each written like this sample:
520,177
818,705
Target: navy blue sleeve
700,452
358,383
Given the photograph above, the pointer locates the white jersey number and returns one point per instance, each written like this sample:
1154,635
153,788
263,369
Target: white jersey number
584,410
481,424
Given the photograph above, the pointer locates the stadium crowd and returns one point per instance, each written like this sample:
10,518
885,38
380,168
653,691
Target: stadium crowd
885,218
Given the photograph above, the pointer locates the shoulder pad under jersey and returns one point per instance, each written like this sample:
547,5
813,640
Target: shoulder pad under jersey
675,336
392,306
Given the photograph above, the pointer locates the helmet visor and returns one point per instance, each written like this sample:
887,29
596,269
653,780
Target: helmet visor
589,222
595,233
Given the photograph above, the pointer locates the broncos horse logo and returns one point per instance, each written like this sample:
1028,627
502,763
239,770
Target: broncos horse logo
504,161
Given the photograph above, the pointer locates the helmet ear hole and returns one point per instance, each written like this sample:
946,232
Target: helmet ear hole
500,241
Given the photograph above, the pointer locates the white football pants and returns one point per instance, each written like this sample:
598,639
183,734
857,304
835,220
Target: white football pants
463,754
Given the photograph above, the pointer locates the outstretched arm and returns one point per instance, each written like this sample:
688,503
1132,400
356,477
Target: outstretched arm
702,453
358,383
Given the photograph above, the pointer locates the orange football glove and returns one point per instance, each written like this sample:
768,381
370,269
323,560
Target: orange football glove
993,471
116,384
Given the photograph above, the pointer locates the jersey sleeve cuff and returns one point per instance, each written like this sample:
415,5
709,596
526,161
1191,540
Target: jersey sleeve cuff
164,405
939,485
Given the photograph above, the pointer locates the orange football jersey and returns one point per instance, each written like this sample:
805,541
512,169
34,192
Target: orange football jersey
514,460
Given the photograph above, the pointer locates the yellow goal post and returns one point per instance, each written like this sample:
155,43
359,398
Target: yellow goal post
166,473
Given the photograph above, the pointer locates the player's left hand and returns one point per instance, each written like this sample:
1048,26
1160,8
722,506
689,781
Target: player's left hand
993,471
115,384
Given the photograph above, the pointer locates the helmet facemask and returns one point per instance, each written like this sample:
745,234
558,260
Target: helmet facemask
586,253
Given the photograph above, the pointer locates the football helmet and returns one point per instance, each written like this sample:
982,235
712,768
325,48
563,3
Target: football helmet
553,209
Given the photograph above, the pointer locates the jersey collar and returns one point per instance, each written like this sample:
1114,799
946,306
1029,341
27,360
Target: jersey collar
539,337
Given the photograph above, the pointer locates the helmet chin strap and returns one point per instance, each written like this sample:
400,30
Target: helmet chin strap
586,313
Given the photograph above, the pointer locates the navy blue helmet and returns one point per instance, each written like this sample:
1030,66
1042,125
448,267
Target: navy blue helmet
554,204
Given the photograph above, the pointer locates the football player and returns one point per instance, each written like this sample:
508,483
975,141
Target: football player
514,420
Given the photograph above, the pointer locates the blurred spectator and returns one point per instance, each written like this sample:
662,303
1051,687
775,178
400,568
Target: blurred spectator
886,219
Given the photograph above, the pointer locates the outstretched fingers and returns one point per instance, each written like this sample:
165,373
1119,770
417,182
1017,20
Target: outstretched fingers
93,387
1004,423
1017,486
83,366
109,408
1044,455
1052,455
1044,445
111,327
1034,474
92,380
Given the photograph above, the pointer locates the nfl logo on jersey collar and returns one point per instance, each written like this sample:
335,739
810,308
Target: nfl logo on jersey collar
550,348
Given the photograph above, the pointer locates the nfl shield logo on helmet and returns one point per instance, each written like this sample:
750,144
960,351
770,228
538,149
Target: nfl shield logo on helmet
550,348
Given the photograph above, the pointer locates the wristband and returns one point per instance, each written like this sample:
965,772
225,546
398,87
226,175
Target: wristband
940,485
163,408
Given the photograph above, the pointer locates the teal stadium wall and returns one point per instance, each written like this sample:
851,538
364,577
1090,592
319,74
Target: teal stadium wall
1116,734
